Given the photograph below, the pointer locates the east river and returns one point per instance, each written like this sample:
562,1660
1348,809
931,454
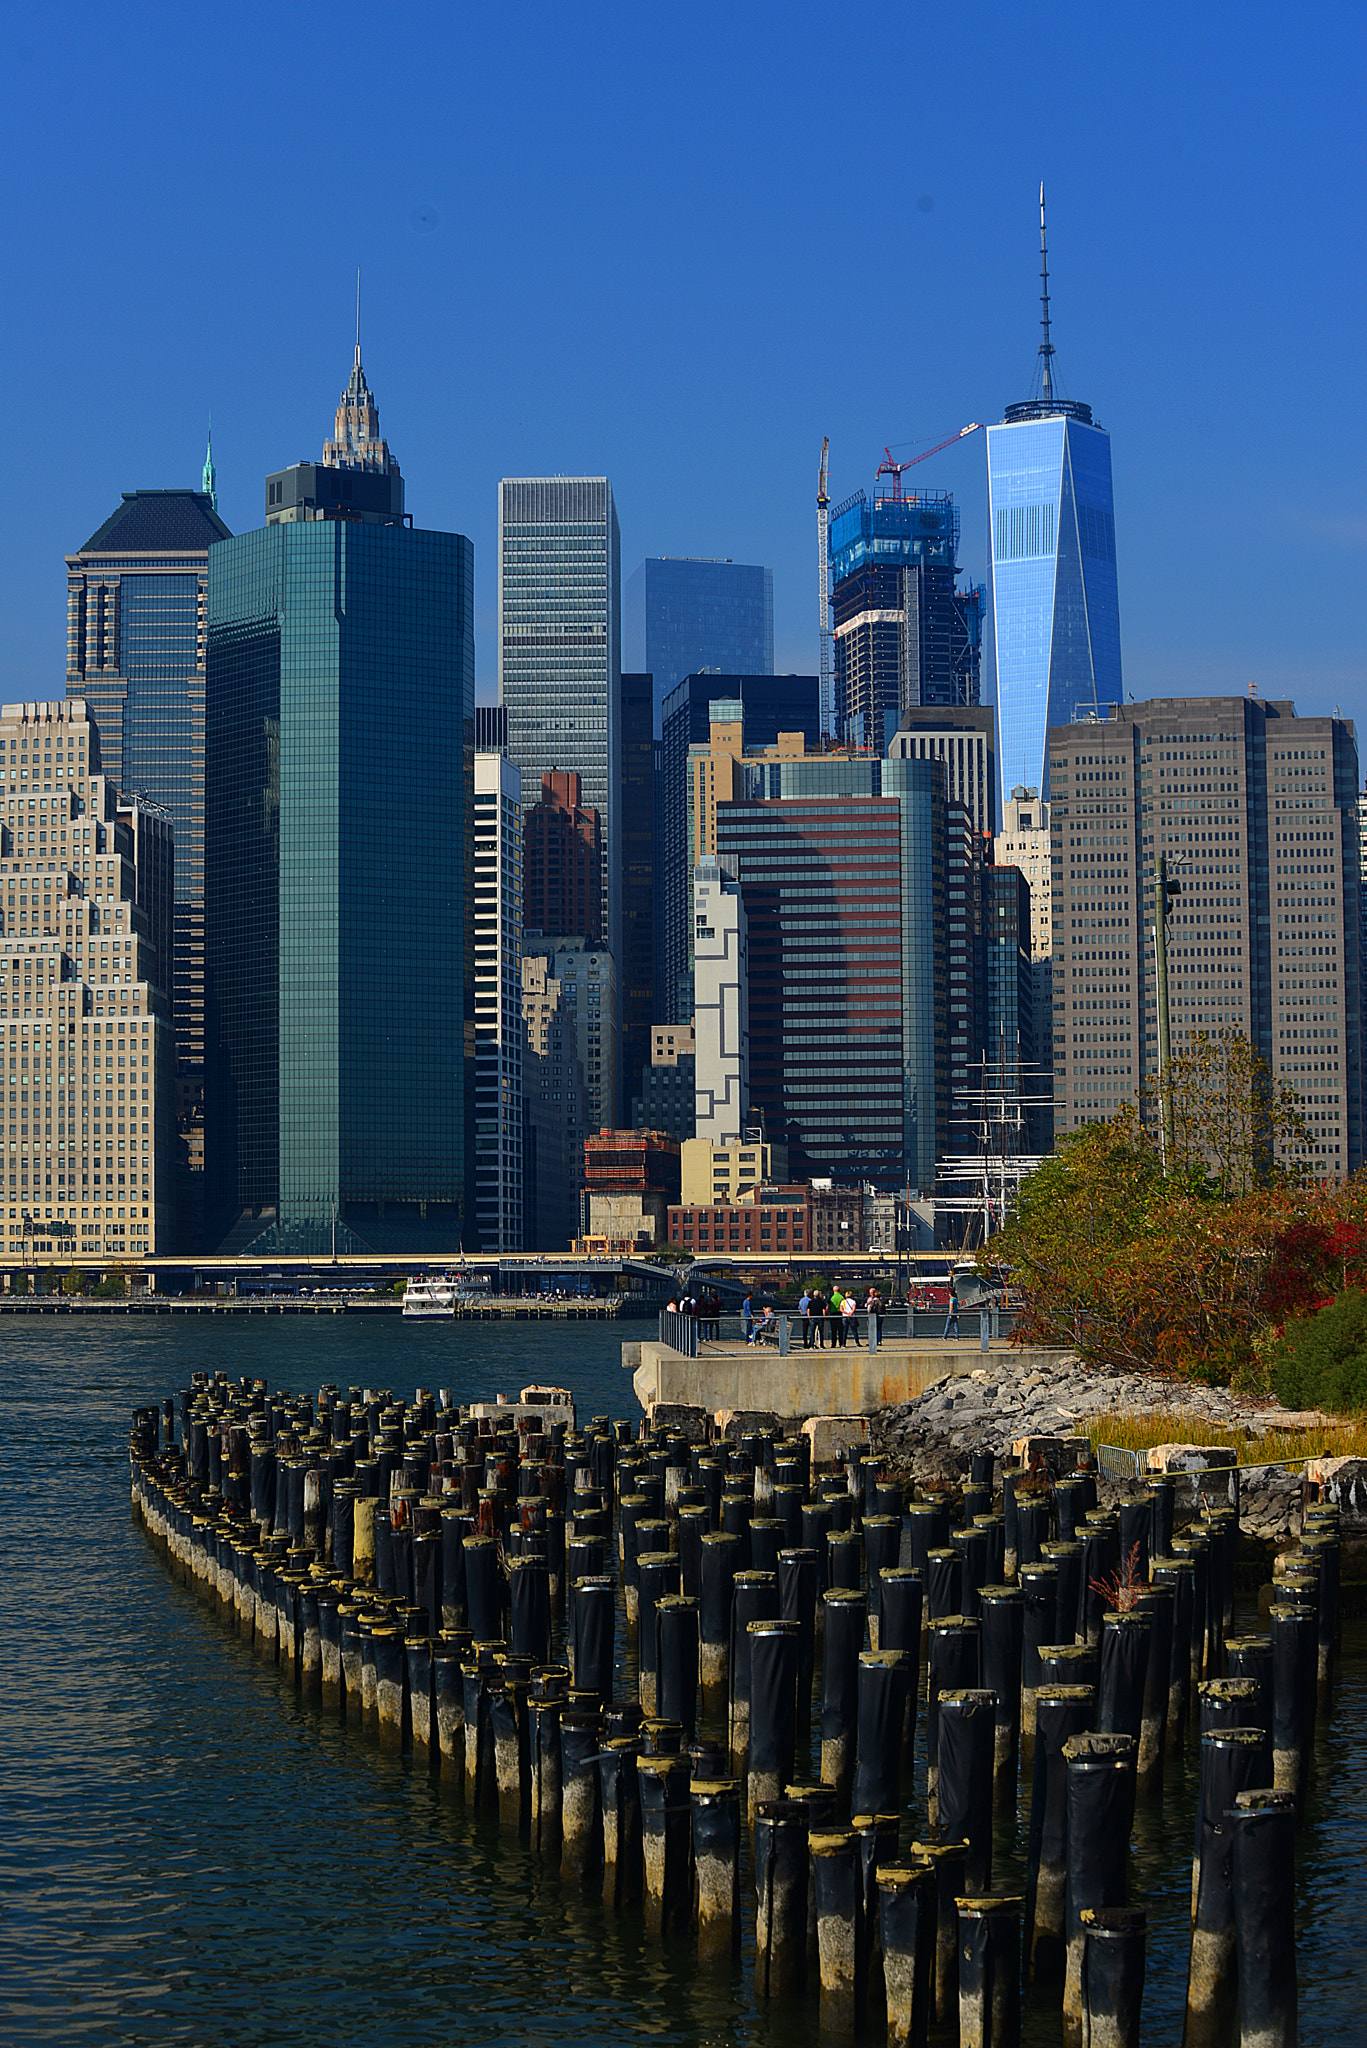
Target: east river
190,1853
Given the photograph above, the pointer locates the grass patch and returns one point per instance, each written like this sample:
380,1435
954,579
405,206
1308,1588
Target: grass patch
1140,1430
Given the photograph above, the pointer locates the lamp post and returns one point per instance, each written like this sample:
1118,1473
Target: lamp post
28,1250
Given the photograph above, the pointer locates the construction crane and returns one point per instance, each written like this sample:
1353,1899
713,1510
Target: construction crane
894,469
823,585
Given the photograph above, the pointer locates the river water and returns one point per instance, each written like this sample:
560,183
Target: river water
189,1854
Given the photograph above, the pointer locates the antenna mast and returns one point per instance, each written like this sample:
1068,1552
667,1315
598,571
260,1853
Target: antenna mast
1046,347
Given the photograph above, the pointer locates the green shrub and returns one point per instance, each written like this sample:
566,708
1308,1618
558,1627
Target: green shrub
1320,1361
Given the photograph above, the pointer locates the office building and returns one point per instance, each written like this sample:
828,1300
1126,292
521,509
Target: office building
491,729
1013,1092
721,1014
499,1115
136,596
775,1219
562,863
640,875
1024,843
764,707
1055,606
967,994
1256,811
560,648
557,1114
843,881
339,794
728,1170
904,634
86,880
683,617
964,739
586,996
666,1100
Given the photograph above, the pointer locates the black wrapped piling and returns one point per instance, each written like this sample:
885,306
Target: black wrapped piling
1002,1621
844,1642
773,1651
391,1673
719,1563
716,1860
1134,1520
422,1702
907,1914
799,1580
1176,1573
666,1835
1100,1563
754,1598
839,1930
349,1623
953,1664
483,1593
974,1549
967,1741
989,1972
1323,1545
1100,1815
1158,1604
1262,1827
581,1824
529,1600
927,1530
947,1861
944,1583
657,1573
619,1795
1032,1525
1062,1711
676,1618
881,1684
543,1749
1038,1581
512,1760
1229,1763
1125,1639
1295,1655
901,1630
590,1638
781,1871
1112,1975
1250,1658
882,1546
1066,1559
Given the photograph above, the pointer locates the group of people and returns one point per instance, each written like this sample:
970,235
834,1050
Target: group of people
837,1312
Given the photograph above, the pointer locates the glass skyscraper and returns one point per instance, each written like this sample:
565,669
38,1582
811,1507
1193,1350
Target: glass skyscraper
560,647
135,653
684,617
339,793
1055,607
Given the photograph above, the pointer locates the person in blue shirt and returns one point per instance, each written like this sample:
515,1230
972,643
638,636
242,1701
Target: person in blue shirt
747,1312
804,1309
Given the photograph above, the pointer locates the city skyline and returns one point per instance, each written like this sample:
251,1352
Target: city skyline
1182,251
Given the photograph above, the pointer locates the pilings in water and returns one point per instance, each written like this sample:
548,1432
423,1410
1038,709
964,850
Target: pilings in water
639,1655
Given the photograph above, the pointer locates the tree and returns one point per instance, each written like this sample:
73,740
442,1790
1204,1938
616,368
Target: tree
114,1283
73,1281
1233,1122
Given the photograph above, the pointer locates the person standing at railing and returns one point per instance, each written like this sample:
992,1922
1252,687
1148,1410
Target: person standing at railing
849,1317
804,1309
748,1319
953,1315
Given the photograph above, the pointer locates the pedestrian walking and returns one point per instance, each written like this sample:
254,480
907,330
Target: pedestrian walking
804,1309
748,1317
953,1315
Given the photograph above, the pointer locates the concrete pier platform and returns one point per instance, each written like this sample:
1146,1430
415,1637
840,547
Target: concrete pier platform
836,1381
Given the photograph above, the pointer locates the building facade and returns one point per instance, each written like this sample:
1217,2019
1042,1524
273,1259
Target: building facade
640,875
776,1220
499,1115
843,880
339,794
562,863
721,1015
136,598
964,740
683,617
557,1115
904,633
1256,812
86,876
560,648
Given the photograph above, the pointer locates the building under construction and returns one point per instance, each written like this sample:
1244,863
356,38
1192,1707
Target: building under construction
905,635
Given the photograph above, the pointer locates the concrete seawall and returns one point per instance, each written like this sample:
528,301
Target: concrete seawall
836,1381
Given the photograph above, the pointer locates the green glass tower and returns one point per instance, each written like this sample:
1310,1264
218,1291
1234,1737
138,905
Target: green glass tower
339,794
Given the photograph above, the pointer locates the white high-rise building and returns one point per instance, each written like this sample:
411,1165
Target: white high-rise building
721,1005
1025,844
85,881
499,1030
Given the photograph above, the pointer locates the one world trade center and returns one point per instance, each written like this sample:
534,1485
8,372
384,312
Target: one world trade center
1055,611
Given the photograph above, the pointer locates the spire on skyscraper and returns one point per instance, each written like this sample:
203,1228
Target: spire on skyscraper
356,441
209,484
1046,347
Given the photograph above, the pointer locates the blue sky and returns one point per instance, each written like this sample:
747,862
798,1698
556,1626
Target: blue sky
681,244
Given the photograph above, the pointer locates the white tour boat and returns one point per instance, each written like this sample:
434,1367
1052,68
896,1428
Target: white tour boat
430,1297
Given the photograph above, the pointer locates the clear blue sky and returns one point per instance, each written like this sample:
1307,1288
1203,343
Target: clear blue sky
681,244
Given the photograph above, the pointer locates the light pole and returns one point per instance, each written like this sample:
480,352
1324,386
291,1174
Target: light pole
28,1251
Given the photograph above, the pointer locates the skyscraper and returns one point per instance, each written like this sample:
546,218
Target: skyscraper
1256,811
905,635
641,877
1055,608
560,647
684,617
135,654
562,862
339,745
499,1032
